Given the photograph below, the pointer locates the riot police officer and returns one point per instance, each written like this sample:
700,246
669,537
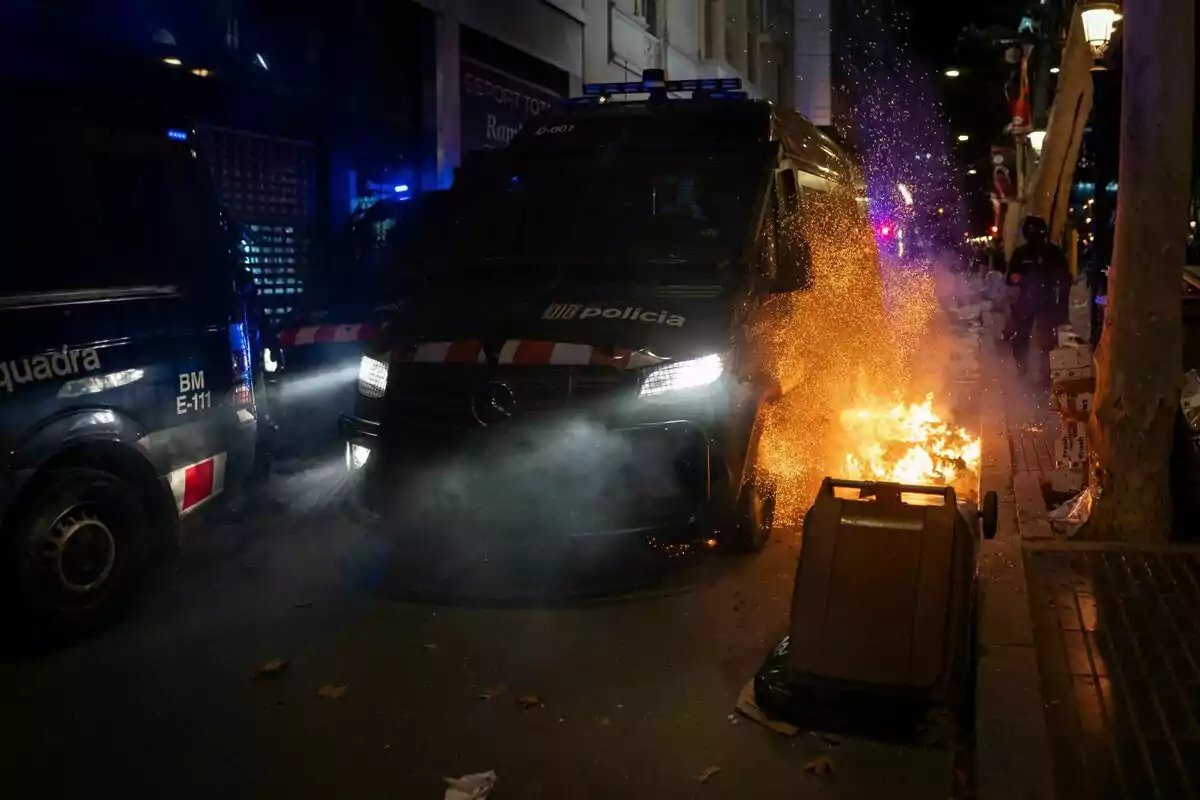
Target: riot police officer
1039,271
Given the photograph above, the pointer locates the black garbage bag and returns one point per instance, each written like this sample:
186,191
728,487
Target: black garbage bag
814,705
1185,481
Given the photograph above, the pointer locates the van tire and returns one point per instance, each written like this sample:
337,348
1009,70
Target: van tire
75,552
750,514
749,527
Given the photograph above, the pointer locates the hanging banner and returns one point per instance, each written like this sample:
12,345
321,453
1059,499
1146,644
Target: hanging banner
494,105
1022,112
1004,172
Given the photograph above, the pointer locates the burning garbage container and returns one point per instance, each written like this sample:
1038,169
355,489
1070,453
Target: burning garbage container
882,623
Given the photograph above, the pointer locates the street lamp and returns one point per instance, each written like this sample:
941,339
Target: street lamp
1099,19
1054,70
962,137
952,73
972,171
1035,140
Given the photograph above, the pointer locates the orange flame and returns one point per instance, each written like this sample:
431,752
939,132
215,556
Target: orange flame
907,443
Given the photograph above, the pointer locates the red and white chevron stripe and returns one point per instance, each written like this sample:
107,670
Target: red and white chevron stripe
324,334
525,351
196,483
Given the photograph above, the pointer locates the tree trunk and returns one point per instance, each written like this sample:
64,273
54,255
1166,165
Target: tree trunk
1139,363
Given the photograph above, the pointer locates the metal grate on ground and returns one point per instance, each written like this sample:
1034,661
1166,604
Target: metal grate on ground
1118,639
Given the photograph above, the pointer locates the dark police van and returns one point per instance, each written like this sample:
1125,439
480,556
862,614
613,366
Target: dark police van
604,274
126,378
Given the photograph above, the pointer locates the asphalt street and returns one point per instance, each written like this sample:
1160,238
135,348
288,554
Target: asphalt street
389,685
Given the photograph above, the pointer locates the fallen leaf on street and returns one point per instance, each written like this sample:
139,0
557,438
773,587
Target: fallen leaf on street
470,787
430,646
707,773
530,701
331,692
491,691
820,765
272,669
605,721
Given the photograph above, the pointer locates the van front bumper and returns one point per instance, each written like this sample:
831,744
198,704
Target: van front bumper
647,478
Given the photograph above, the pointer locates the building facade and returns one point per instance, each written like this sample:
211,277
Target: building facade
497,64
312,113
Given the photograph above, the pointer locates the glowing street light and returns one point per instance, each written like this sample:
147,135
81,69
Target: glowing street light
1054,70
962,137
1036,138
972,171
171,61
952,73
1099,20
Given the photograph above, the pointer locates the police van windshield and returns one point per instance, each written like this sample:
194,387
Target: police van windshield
603,210
93,205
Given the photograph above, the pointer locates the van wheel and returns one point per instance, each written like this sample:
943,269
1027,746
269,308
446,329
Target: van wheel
746,527
749,528
76,552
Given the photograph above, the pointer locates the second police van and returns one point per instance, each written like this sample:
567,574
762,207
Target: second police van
127,397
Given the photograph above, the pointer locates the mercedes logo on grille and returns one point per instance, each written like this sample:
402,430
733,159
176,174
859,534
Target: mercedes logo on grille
493,403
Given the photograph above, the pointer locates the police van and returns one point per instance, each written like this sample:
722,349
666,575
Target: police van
126,378
606,271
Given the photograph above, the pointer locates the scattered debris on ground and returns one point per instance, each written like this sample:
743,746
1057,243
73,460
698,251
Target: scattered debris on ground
470,787
605,721
331,692
747,705
1074,513
707,773
530,701
819,766
430,646
489,692
272,669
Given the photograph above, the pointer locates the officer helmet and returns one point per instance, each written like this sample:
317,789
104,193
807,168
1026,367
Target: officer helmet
1035,229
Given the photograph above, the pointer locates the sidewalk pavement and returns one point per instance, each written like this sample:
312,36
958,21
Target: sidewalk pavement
1089,677
1011,751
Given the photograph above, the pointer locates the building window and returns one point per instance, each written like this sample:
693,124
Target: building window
647,10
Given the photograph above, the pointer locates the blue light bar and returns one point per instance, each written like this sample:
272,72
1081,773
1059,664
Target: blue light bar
655,81
177,135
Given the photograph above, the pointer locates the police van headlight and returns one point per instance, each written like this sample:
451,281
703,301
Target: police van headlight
680,376
356,456
372,377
